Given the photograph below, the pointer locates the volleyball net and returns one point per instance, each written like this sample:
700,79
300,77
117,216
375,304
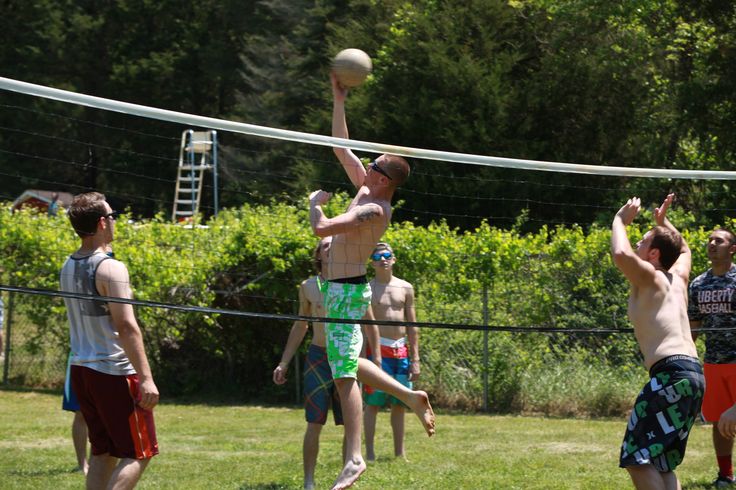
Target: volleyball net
508,258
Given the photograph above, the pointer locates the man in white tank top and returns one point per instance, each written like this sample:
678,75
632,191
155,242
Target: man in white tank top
109,369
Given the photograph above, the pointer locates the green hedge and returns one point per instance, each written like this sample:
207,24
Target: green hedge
252,259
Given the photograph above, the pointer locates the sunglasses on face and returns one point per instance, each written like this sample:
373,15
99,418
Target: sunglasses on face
382,255
374,166
114,215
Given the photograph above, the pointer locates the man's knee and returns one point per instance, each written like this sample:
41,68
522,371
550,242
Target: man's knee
341,382
314,429
372,408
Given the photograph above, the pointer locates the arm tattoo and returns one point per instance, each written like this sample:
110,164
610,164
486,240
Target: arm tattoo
366,214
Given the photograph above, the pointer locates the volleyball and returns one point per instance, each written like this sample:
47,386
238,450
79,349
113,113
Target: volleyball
351,67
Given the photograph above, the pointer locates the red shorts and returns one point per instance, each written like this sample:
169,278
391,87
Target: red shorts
117,425
720,390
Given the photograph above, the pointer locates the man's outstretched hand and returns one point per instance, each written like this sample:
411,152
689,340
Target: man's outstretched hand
628,211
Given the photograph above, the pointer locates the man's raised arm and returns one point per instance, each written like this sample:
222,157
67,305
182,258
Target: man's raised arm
323,226
636,270
351,163
684,261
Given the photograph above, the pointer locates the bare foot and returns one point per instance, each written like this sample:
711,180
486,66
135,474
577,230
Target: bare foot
350,473
419,404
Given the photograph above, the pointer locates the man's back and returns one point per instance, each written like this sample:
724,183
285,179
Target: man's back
94,337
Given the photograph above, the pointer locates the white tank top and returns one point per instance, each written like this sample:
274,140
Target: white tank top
94,340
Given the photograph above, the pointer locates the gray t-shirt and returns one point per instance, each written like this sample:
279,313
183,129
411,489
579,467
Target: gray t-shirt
713,302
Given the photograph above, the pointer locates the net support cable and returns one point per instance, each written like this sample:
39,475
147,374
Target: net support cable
284,317
300,137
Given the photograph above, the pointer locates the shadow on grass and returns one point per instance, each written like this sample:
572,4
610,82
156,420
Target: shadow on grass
22,389
224,400
207,399
263,486
698,485
45,472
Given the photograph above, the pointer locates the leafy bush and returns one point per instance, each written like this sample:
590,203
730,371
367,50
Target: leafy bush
252,259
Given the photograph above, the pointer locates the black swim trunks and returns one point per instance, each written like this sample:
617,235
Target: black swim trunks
663,414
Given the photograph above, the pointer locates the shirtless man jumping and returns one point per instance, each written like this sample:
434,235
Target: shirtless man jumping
347,292
664,411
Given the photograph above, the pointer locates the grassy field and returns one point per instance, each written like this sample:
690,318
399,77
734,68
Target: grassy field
212,446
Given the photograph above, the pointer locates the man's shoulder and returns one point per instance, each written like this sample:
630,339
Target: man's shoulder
112,269
311,284
366,197
708,279
699,279
398,282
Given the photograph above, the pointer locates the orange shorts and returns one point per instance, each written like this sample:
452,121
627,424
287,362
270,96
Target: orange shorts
720,390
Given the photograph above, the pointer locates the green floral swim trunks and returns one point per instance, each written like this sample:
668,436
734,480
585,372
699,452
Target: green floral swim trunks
345,340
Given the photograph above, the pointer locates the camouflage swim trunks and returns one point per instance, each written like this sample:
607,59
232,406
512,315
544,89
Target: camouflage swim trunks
663,414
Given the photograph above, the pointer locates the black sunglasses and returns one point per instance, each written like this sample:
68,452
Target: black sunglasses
374,166
114,215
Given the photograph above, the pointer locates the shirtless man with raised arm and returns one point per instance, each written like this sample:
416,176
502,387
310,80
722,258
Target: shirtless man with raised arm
664,411
347,292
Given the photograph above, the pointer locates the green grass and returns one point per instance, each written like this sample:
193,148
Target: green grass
212,446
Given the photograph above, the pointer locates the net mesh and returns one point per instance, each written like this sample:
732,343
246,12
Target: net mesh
501,247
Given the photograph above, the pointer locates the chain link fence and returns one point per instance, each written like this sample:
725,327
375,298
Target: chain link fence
32,358
494,371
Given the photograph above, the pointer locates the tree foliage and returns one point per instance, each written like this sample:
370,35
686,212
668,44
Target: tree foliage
646,83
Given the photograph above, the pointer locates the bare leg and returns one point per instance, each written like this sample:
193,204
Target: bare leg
100,470
369,420
344,446
310,450
397,426
127,473
79,437
417,401
352,406
646,477
670,481
722,445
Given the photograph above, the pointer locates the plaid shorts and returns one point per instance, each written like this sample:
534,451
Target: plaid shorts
319,388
